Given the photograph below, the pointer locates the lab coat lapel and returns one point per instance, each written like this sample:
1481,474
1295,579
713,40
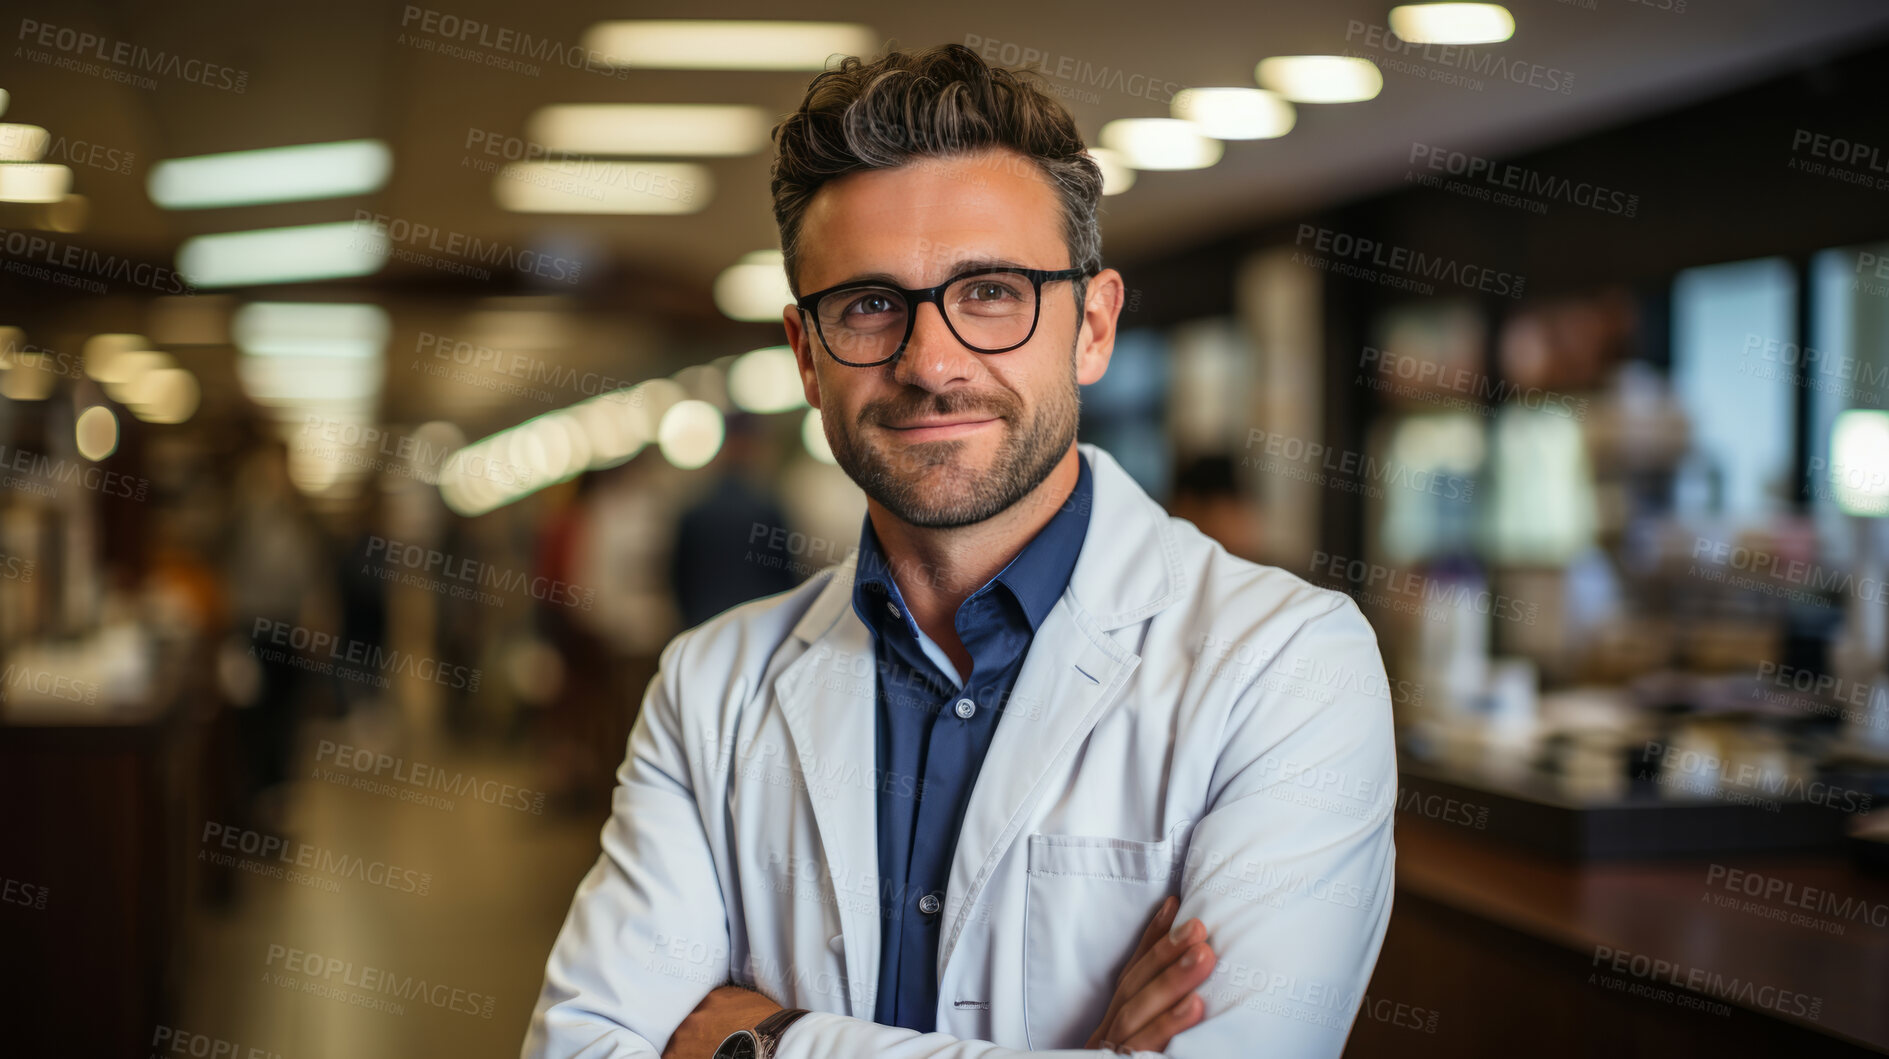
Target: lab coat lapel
1129,568
831,713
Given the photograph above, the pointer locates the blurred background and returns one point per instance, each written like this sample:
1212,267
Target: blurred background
383,385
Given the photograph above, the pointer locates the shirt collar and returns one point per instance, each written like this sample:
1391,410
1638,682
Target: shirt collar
1036,577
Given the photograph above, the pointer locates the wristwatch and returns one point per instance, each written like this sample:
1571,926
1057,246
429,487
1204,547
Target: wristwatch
761,1041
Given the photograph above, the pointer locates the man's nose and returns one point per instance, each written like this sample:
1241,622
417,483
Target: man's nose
933,358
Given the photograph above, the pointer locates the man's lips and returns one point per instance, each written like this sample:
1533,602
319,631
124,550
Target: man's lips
926,429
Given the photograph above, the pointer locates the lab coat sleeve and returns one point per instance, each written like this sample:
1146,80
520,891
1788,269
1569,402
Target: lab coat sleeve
822,1035
646,937
1290,868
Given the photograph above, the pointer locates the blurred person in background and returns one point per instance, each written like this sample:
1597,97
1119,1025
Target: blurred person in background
275,555
728,546
859,733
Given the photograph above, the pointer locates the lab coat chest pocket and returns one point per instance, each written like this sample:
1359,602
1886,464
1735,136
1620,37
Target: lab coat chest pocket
1086,902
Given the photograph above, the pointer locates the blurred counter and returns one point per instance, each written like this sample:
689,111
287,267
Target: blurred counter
1760,954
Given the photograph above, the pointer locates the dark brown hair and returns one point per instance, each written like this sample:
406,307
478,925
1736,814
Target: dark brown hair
936,102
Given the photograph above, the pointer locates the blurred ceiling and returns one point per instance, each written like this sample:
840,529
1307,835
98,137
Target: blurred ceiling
346,69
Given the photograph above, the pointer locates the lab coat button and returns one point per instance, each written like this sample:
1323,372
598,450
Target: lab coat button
837,943
928,904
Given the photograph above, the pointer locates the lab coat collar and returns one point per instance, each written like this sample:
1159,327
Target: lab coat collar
1129,569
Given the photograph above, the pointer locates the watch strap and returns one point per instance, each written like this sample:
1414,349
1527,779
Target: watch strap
768,1033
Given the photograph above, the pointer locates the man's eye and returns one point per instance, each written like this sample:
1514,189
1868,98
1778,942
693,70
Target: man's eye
870,304
989,291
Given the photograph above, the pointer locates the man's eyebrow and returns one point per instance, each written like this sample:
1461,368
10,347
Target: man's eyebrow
958,267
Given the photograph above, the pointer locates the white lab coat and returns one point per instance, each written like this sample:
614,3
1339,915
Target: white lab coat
1185,722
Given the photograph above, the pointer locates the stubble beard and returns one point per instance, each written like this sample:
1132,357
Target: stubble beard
924,485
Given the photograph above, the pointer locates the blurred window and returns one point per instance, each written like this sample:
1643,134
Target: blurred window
1734,331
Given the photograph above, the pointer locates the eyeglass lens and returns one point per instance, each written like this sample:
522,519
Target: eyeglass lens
987,312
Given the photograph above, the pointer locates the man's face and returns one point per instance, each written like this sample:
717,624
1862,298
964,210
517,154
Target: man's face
944,436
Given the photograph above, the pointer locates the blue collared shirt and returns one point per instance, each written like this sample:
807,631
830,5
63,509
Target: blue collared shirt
934,726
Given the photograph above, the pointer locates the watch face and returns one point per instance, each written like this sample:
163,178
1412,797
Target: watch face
740,1046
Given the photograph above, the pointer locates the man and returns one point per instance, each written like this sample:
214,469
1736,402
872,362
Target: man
931,799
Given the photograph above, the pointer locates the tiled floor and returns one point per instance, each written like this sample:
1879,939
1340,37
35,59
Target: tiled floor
500,882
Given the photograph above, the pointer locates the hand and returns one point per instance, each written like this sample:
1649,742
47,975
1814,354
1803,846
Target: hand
1154,998
723,1011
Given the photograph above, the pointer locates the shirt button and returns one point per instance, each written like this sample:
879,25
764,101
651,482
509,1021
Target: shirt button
965,708
893,608
928,904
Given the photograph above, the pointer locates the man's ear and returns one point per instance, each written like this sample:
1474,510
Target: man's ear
801,342
1095,340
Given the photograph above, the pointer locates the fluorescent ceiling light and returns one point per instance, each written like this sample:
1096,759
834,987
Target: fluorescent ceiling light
766,380
1235,113
274,174
1452,23
1117,175
592,186
97,433
650,128
1161,143
1859,462
29,182
23,143
283,255
754,288
311,329
1320,78
690,434
723,44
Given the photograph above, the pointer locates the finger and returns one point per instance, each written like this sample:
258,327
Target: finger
1156,1035
1167,989
1157,928
1161,955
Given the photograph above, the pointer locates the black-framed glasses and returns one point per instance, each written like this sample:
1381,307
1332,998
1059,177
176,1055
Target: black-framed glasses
991,309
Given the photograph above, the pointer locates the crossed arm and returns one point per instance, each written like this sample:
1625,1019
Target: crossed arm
1286,894
1153,1001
